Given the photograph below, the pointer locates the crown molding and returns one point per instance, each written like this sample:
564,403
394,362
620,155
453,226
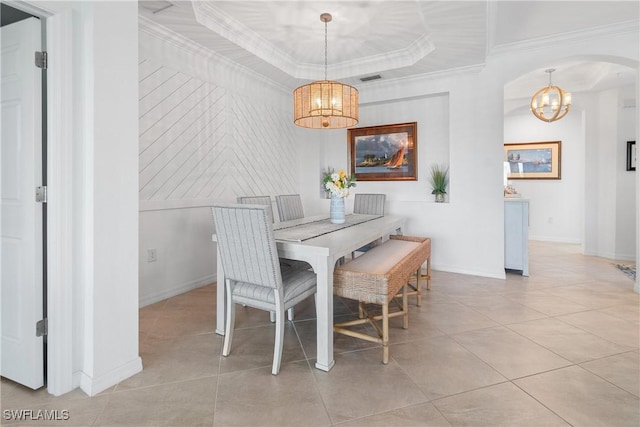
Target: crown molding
631,26
226,26
181,42
231,29
378,92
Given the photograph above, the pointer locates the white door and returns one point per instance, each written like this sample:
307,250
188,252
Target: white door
22,358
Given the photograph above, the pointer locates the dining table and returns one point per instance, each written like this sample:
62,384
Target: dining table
321,243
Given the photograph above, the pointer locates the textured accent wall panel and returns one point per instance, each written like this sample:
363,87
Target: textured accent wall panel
200,141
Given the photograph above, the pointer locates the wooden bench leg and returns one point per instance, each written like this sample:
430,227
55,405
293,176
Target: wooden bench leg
418,287
405,307
428,277
385,333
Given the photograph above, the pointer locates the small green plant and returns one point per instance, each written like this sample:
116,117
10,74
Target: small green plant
439,179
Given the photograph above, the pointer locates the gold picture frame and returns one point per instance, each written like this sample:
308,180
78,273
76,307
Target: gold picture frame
534,160
384,153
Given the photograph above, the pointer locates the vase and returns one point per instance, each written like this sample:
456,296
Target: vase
336,211
439,197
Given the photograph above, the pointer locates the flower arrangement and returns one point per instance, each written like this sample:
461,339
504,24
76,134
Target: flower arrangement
337,183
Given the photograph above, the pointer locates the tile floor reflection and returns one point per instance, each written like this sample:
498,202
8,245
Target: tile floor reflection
560,347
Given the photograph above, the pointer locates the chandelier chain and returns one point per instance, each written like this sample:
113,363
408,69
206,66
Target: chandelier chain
550,71
325,50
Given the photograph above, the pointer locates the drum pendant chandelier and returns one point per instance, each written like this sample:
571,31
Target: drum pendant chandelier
325,104
550,103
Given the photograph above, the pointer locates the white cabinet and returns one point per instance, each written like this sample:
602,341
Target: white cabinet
516,235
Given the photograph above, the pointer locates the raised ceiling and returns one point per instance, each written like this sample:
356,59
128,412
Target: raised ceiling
284,40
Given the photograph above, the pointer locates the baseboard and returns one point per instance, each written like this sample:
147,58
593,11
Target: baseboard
92,386
625,257
492,275
172,292
554,239
612,256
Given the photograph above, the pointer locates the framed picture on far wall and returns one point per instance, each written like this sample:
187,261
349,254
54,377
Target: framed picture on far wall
631,155
533,160
384,153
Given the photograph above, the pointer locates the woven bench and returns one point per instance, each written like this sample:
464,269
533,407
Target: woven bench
376,277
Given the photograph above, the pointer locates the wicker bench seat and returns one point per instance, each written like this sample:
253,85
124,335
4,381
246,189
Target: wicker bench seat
376,277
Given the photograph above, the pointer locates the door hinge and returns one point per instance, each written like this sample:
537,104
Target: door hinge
41,60
41,194
42,327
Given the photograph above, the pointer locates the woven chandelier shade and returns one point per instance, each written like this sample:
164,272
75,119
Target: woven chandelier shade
325,104
550,103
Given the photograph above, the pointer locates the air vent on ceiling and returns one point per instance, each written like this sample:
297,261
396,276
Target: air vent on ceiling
369,78
156,6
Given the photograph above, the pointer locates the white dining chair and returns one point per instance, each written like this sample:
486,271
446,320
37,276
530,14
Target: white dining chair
370,204
256,200
252,272
289,207
284,263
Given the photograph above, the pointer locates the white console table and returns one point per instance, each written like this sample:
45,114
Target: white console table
516,235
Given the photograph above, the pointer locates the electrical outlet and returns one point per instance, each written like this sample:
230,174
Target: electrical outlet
152,255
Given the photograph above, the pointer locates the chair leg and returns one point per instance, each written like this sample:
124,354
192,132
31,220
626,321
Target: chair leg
272,316
429,273
279,341
290,313
385,333
231,320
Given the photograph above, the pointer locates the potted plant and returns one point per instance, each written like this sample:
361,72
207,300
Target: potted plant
439,181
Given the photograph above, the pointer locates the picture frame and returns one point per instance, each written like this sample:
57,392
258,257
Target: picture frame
631,155
384,153
533,160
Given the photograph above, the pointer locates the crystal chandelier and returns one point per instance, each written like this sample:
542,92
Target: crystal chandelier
325,104
550,103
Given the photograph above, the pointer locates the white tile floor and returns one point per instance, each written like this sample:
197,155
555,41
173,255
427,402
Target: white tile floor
558,348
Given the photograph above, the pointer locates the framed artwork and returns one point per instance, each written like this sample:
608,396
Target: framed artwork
533,160
384,153
631,155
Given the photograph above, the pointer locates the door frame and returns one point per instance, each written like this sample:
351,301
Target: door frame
59,239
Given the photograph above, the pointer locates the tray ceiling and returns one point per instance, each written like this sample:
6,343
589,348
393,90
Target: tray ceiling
284,40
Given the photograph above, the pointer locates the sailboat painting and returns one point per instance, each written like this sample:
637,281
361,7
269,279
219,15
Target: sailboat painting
381,153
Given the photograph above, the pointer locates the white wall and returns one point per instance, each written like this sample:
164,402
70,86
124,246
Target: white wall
602,126
626,201
93,314
556,207
110,197
610,201
593,136
455,127
460,120
209,132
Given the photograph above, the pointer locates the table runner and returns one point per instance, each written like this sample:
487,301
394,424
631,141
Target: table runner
318,227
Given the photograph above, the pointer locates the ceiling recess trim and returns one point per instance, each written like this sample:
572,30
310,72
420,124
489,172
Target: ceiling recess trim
169,36
226,26
631,26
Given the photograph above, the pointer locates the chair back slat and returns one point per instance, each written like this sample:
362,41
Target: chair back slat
246,244
372,204
289,207
257,200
